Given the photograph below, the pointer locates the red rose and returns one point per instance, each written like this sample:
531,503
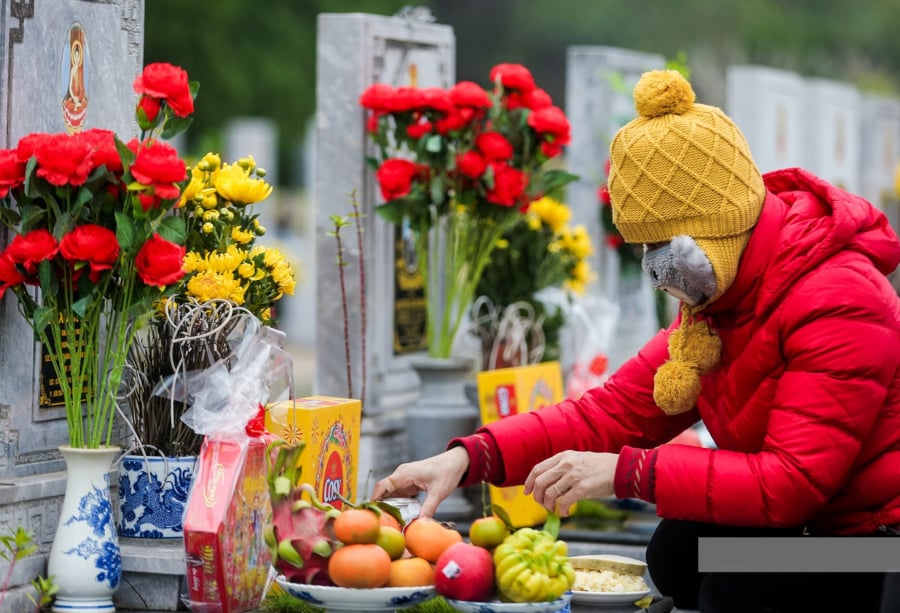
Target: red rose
551,123
395,177
160,262
149,201
377,97
147,111
513,101
405,99
12,171
168,83
494,146
467,93
603,195
103,142
551,150
537,99
372,123
27,145
63,159
29,250
471,164
157,165
418,130
614,241
513,77
93,244
9,274
451,122
436,99
509,185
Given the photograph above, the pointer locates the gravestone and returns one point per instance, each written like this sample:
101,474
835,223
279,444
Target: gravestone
354,51
599,101
832,133
768,106
67,65
880,153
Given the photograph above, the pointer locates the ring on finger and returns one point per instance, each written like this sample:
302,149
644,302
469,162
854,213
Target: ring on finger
391,483
556,489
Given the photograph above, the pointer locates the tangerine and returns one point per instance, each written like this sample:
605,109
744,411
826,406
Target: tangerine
389,520
392,541
428,538
357,526
488,532
361,565
411,572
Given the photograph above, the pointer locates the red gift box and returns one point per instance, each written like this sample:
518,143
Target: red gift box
227,560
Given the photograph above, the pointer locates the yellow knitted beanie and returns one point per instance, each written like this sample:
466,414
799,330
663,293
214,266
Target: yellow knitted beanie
682,168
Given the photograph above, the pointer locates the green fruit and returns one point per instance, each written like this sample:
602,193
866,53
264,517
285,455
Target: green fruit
488,532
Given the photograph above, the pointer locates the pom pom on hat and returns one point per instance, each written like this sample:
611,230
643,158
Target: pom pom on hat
676,387
661,92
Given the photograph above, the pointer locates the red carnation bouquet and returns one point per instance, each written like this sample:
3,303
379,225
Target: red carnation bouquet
461,166
91,229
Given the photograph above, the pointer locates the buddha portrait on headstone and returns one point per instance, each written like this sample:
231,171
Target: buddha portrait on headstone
74,102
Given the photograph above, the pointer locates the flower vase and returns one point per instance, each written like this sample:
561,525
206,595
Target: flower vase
85,560
442,412
153,493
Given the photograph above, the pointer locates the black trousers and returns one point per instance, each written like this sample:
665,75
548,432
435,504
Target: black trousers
673,566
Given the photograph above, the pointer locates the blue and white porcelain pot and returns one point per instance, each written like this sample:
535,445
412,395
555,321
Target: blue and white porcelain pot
153,493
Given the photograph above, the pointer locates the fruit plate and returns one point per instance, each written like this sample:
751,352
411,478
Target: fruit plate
333,598
554,606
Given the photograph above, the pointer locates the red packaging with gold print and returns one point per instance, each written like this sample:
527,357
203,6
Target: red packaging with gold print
227,559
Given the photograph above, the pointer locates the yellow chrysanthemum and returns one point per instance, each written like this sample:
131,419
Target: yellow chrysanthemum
193,188
211,286
581,246
207,228
246,270
210,162
552,212
534,221
242,237
234,184
502,243
193,262
225,262
208,198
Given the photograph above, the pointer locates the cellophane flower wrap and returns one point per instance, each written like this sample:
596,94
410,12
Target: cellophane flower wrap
91,229
461,165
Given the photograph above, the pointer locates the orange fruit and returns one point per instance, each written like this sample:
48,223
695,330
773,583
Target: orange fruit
392,541
357,526
488,532
360,565
389,520
428,538
411,572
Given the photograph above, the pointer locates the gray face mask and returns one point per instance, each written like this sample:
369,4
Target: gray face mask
681,269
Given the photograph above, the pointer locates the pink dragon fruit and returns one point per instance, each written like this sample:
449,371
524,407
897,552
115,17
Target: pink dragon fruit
301,533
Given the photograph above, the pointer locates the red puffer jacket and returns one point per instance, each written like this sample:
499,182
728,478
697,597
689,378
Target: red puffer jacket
805,404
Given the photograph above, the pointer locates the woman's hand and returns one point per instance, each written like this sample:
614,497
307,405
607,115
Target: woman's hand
438,476
562,480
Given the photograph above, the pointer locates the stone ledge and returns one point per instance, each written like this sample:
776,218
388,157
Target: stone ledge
153,575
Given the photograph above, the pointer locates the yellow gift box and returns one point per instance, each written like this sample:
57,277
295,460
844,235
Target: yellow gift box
509,391
330,428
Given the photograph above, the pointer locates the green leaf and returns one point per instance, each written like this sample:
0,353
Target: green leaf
194,87
433,143
551,525
31,179
125,231
500,512
80,306
125,154
175,125
42,317
172,229
438,190
84,196
393,211
49,282
32,216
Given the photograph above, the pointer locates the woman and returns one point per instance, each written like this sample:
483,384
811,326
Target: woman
786,347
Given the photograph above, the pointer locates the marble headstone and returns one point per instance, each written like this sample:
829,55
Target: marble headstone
768,105
354,51
880,153
832,133
64,65
599,101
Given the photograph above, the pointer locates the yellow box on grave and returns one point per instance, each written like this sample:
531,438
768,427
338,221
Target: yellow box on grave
330,428
509,391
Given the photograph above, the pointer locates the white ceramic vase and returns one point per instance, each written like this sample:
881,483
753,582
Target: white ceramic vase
85,559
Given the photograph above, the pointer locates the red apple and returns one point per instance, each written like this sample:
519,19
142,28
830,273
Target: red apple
465,572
